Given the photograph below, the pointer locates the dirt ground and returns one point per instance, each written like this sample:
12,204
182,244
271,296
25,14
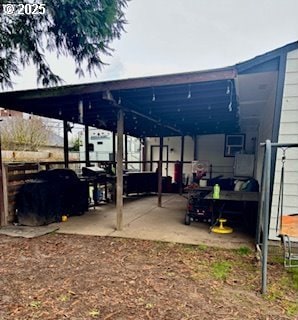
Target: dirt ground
85,277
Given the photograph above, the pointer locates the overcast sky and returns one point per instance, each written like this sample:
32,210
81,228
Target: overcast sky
169,36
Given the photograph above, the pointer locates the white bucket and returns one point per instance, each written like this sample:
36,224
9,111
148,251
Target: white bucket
203,183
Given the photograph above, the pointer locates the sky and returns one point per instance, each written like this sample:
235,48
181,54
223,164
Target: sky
171,36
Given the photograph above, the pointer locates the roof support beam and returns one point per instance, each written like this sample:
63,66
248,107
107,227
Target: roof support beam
109,97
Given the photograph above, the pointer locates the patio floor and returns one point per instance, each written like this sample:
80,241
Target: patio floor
144,220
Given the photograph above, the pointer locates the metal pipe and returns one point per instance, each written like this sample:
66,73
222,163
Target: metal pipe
280,145
266,215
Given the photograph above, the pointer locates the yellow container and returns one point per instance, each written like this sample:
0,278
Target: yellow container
64,218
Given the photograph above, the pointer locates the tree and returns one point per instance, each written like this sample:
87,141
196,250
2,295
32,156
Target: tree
23,134
82,29
76,143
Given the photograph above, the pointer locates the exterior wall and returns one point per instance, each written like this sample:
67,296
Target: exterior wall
288,133
209,147
174,149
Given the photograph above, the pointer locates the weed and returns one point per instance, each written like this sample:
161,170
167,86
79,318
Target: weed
64,298
149,306
94,313
35,304
221,270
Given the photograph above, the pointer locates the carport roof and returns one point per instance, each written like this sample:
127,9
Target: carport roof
193,103
178,104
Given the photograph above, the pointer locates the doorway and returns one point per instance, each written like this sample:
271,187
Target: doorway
154,156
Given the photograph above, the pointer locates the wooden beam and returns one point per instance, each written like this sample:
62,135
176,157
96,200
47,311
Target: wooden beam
126,152
159,202
114,147
2,196
65,143
181,160
108,96
144,153
119,170
87,155
227,73
195,147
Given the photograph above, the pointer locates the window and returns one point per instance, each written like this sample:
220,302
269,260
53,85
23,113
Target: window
234,143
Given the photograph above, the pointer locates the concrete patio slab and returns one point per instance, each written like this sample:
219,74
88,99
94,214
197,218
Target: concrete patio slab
27,232
144,220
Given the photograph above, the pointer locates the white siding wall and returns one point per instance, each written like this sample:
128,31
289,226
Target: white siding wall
174,144
288,133
209,147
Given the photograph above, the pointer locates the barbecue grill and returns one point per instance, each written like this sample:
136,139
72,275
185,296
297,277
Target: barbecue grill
96,176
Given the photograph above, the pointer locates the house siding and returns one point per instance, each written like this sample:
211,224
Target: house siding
288,133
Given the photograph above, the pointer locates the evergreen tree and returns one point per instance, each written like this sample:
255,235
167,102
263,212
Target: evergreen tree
82,29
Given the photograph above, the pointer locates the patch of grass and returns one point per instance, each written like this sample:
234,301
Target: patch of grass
294,275
276,259
202,247
220,270
194,247
292,308
243,251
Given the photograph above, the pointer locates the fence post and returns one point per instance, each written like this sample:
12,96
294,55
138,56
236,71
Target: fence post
3,195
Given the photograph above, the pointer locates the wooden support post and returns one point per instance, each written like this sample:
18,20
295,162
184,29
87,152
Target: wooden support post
65,144
87,155
159,203
195,148
114,147
119,170
5,194
126,152
144,154
2,195
181,160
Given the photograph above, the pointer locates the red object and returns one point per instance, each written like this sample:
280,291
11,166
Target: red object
178,172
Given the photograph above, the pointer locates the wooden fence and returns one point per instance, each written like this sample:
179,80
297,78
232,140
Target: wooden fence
14,176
